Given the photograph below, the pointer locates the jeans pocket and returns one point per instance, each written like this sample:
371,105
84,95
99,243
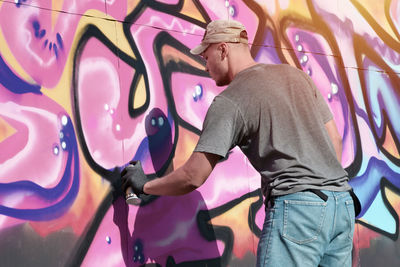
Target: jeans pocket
303,220
351,218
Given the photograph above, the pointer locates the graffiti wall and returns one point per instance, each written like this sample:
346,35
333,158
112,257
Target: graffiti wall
87,86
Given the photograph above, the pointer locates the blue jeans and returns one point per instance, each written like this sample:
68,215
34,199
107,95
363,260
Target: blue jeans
301,229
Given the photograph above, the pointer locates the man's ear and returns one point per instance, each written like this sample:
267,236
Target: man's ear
223,47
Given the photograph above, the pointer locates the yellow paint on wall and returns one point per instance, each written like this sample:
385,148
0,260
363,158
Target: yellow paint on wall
56,5
390,145
140,94
6,130
62,93
295,8
190,10
131,5
393,198
112,29
11,61
170,53
236,219
375,9
185,146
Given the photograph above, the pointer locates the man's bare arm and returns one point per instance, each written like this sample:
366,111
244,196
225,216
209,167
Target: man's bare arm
335,137
186,178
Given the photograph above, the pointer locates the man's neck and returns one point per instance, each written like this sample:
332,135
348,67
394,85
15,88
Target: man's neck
242,66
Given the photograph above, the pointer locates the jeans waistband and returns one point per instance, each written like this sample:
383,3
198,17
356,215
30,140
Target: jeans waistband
271,201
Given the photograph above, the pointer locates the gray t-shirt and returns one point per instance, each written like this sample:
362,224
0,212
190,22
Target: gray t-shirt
277,117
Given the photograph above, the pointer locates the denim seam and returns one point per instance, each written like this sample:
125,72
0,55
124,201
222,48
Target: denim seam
267,256
350,205
336,198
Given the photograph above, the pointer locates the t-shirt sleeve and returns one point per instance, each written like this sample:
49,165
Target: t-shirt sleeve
322,107
223,128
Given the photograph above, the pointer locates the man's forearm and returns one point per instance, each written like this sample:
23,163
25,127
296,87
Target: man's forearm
338,149
175,183
186,178
335,137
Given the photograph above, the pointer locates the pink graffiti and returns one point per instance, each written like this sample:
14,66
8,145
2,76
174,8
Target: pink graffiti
103,91
319,62
29,115
39,46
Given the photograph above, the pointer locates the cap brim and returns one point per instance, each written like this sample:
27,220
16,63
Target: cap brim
199,49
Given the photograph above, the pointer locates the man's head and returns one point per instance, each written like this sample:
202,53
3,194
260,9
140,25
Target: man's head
225,49
221,31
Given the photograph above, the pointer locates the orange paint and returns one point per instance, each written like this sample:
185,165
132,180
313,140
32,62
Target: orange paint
390,145
92,190
172,54
236,219
6,130
185,146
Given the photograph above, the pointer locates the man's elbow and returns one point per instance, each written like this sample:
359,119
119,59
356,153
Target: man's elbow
196,183
333,133
338,141
193,180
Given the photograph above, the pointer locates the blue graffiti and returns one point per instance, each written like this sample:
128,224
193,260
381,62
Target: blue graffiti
367,184
19,2
15,84
40,33
69,180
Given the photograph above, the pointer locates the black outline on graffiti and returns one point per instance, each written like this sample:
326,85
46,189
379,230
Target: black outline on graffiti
386,184
325,30
166,68
361,48
92,31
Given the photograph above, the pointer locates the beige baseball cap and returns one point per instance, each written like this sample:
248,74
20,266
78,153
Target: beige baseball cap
219,31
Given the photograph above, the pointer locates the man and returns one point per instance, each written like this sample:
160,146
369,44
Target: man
280,121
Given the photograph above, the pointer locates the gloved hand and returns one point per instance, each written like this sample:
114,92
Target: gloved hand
134,177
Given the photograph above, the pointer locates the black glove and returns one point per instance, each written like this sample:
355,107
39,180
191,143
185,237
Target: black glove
134,177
